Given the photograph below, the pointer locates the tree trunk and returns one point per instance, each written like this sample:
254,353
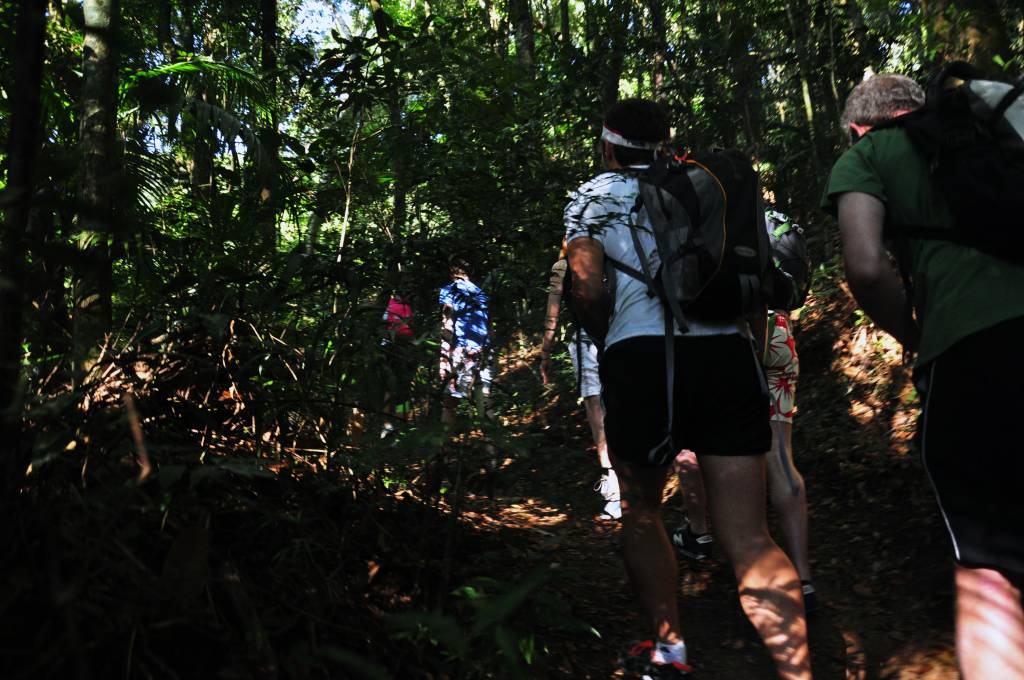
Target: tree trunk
268,172
618,25
497,24
565,29
46,277
201,168
799,35
868,49
22,150
738,32
163,30
522,22
92,277
978,38
660,47
189,14
395,136
316,220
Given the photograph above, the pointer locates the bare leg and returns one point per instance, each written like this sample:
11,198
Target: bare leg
769,587
989,625
650,559
693,491
595,416
788,497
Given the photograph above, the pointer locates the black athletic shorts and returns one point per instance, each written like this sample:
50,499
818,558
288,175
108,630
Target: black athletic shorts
721,402
972,442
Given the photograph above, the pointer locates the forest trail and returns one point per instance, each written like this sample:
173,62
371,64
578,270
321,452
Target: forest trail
877,547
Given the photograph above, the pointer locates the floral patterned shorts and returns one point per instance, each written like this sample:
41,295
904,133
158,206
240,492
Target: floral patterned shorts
781,368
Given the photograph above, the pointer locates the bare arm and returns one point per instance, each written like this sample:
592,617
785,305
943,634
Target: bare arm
875,284
550,328
590,297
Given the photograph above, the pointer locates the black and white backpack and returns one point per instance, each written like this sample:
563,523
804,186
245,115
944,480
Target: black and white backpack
971,131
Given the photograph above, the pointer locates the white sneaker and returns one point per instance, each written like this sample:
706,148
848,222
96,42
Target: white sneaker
608,486
613,509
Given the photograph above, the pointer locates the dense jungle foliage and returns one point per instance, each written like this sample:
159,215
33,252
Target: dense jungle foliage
208,204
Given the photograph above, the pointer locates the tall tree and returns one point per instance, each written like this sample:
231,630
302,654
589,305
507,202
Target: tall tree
659,43
800,26
268,173
164,29
617,28
522,22
565,28
93,285
22,151
395,136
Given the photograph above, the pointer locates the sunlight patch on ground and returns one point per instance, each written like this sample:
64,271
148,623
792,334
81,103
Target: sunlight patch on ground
862,412
536,514
871,360
524,513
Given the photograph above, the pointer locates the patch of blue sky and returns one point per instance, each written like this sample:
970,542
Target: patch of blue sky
316,19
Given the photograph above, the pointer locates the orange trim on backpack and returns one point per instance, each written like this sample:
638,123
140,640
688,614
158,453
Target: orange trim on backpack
725,225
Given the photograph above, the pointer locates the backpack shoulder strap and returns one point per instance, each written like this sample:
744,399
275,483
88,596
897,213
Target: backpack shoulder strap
954,69
1006,102
626,269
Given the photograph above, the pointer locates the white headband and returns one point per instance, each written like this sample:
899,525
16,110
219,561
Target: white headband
615,138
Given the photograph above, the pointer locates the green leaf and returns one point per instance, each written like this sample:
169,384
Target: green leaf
441,629
509,645
502,607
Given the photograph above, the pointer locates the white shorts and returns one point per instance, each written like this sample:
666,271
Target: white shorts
590,381
466,368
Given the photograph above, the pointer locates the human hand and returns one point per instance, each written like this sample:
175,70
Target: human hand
545,369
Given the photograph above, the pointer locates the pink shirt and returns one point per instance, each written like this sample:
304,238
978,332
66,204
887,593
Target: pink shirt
397,317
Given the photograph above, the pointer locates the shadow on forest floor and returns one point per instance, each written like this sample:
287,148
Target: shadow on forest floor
878,549
227,570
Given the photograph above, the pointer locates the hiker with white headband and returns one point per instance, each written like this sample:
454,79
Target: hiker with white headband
718,408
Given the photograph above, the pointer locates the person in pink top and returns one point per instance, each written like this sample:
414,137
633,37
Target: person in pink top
397,343
397,318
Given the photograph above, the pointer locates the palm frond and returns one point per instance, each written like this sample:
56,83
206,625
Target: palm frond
240,88
151,173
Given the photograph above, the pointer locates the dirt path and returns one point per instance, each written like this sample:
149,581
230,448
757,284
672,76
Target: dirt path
878,548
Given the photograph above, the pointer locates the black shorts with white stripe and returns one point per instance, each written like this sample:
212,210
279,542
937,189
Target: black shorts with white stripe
972,444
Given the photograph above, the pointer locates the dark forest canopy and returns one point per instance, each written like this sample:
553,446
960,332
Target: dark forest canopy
207,204
205,157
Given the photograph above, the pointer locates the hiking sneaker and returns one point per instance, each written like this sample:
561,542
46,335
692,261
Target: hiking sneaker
697,547
811,603
638,662
608,486
612,509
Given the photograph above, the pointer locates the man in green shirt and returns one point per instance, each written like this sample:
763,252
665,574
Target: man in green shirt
969,324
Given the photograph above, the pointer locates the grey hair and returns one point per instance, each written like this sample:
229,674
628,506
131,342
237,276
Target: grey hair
875,100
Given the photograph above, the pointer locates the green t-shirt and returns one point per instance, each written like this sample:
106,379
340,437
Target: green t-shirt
958,290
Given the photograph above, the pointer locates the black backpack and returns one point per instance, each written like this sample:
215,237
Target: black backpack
708,222
971,131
